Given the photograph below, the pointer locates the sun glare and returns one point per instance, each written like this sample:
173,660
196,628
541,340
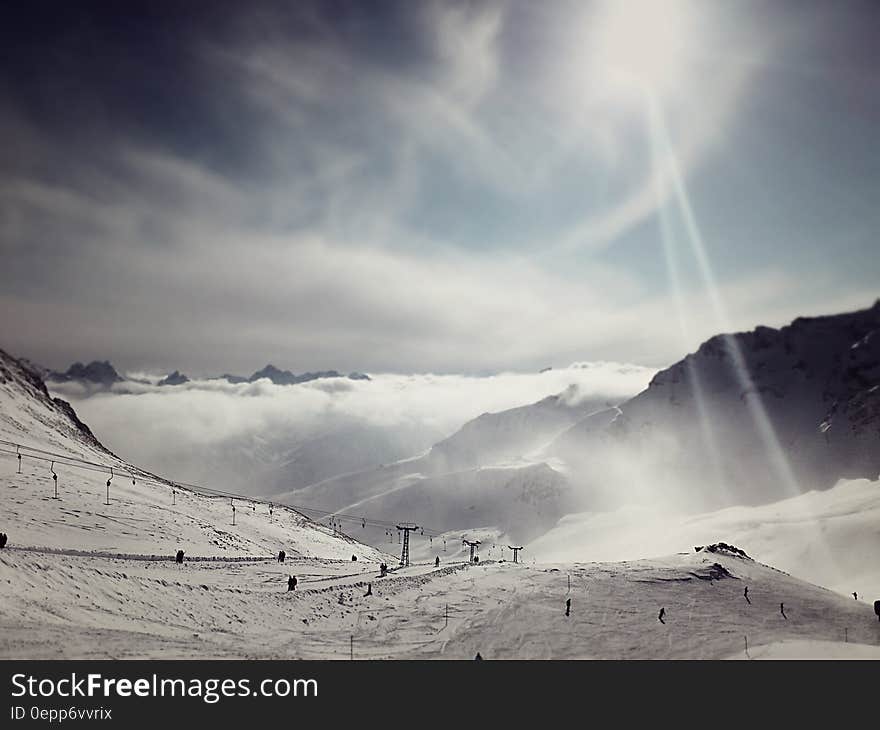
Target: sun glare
639,45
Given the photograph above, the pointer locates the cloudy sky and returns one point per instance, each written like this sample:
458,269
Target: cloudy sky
427,186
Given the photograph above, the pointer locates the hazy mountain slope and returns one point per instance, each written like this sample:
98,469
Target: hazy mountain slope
748,418
513,433
342,449
480,476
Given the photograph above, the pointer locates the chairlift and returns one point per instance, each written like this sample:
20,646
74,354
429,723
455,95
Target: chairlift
54,479
108,485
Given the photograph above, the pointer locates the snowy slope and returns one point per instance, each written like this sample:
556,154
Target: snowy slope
828,537
69,606
141,518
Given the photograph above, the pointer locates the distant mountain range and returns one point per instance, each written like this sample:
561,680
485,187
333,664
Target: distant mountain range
103,375
96,373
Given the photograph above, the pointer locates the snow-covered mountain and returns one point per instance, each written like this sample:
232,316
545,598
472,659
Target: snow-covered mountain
747,419
143,516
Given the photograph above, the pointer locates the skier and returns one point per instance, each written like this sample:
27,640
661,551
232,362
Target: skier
354,558
877,609
855,595
437,562
746,595
369,590
3,539
383,570
567,606
281,556
478,656
661,615
291,583
782,611
179,558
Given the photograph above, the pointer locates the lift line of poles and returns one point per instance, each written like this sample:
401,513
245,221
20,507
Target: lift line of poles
314,514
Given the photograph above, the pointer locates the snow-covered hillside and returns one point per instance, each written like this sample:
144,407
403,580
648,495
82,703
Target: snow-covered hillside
143,517
96,607
827,537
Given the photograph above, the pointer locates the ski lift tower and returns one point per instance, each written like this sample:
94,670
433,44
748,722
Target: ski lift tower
406,528
515,552
472,544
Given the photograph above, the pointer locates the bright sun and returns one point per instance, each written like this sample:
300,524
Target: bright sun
640,44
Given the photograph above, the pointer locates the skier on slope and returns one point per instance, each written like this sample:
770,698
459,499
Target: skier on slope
746,595
3,539
437,562
291,583
281,556
567,606
661,615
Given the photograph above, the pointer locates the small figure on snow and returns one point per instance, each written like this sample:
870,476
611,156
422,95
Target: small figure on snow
478,657
291,583
855,595
437,562
567,606
354,558
281,556
746,595
661,615
369,590
179,557
782,611
383,570
877,609
3,539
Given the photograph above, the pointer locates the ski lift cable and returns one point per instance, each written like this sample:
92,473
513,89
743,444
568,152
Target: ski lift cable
148,478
